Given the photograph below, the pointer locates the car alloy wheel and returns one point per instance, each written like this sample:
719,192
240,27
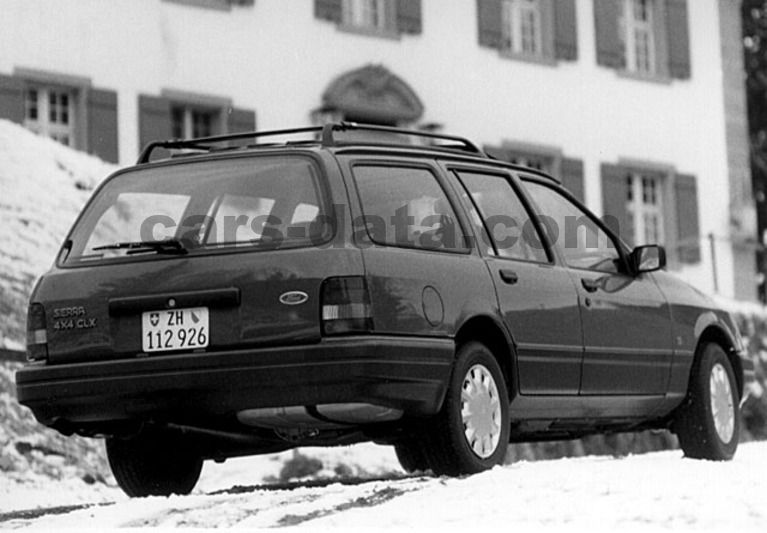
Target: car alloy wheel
481,411
708,422
470,433
722,405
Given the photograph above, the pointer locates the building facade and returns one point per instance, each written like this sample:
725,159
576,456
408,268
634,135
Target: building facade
637,105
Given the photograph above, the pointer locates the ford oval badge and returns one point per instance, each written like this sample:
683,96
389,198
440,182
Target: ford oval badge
293,297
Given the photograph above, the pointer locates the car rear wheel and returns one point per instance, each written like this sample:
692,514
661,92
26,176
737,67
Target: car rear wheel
708,424
411,455
471,433
153,464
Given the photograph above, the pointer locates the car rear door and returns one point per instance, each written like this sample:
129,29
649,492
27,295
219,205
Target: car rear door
627,332
536,296
423,278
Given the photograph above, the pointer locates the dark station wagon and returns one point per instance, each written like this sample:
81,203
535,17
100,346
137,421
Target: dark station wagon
351,283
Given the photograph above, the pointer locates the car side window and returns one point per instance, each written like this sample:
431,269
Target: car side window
582,242
505,217
407,207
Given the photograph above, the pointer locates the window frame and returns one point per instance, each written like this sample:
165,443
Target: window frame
620,246
658,47
513,13
637,208
524,202
76,86
190,103
507,149
462,239
43,125
187,126
668,176
631,26
545,54
387,30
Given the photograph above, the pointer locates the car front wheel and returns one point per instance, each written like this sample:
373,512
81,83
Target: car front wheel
708,423
471,433
153,464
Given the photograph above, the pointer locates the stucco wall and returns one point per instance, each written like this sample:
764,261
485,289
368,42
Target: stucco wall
277,58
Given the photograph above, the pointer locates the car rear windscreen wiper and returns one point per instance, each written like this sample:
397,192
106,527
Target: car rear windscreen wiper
167,246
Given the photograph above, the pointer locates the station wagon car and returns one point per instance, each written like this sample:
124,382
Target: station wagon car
353,283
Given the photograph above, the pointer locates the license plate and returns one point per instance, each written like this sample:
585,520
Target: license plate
175,329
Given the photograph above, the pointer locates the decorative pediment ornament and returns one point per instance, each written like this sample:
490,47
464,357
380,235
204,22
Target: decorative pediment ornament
372,93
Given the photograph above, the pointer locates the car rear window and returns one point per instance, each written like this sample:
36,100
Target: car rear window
255,203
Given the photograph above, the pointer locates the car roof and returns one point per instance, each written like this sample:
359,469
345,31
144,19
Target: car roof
341,137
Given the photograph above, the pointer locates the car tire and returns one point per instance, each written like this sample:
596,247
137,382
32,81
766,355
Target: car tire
411,455
153,465
471,432
708,423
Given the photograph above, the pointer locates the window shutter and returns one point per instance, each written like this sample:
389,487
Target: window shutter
572,177
328,10
688,231
489,20
154,121
565,30
240,121
409,16
12,99
610,49
678,39
614,201
102,124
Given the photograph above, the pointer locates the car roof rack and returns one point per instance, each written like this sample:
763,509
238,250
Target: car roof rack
327,139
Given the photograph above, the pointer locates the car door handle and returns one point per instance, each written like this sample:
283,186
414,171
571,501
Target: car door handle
591,285
508,276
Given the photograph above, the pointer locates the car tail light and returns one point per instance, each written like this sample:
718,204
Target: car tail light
346,306
37,336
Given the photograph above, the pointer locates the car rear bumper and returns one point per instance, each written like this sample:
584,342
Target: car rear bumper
409,374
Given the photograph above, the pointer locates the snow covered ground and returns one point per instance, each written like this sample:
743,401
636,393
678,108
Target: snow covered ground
31,490
644,492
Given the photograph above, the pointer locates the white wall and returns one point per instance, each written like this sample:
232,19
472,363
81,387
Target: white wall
277,58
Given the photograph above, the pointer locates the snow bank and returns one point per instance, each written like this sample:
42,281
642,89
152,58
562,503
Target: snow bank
43,186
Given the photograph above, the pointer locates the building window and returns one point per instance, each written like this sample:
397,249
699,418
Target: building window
548,159
541,31
645,38
522,29
652,204
543,158
188,122
644,208
538,162
50,112
638,33
377,18
373,15
184,115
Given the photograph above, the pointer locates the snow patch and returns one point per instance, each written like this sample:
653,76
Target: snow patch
43,186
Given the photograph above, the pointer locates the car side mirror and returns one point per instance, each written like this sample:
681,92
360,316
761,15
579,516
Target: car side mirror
648,258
